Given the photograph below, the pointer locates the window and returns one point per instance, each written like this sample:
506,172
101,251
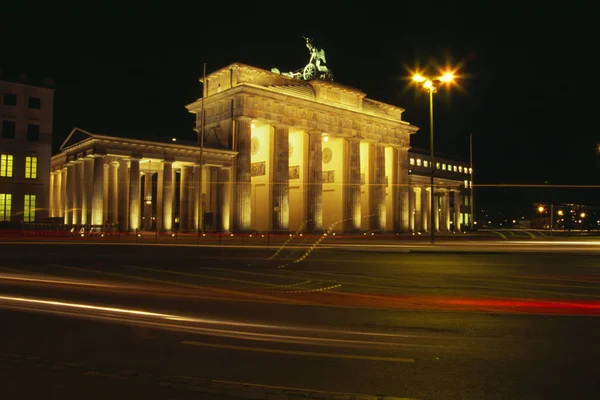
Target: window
460,168
454,168
10,99
425,163
30,167
444,167
29,208
6,165
437,165
8,129
5,203
33,132
412,161
35,103
466,170
470,170
419,162
466,184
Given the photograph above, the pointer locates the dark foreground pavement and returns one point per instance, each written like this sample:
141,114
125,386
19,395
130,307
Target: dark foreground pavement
177,323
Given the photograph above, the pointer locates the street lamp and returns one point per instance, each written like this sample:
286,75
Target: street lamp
431,85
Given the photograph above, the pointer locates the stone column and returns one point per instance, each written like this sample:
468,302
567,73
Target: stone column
148,207
224,200
405,210
58,194
67,193
88,184
98,194
425,207
436,213
377,188
123,188
113,192
281,175
446,212
168,191
315,182
457,205
418,194
353,211
197,199
184,198
106,195
78,193
134,194
191,201
411,209
395,213
52,194
243,190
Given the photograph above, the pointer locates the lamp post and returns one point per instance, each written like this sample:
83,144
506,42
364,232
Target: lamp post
431,85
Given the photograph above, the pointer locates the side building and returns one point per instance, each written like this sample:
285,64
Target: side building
26,115
453,192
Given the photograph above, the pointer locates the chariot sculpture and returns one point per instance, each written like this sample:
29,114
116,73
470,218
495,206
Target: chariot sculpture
315,69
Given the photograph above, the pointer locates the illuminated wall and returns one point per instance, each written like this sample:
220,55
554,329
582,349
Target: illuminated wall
366,178
334,156
298,174
389,204
261,159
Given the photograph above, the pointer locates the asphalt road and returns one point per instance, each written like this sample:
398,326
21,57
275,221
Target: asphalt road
195,322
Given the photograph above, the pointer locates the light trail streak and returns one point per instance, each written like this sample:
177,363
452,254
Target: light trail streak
56,281
230,333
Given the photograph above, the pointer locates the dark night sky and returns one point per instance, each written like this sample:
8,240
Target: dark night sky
524,95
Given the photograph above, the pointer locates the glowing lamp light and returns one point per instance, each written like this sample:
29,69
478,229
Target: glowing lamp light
174,139
582,215
561,213
418,78
447,77
541,209
428,84
325,137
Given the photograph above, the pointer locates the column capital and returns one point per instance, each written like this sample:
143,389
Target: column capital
114,163
136,156
354,139
279,125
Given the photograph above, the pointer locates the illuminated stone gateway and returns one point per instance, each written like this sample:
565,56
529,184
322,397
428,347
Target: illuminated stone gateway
280,154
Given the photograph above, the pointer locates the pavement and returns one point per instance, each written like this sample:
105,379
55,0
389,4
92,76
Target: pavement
176,321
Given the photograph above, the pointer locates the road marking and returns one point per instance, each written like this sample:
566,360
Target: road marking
298,353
